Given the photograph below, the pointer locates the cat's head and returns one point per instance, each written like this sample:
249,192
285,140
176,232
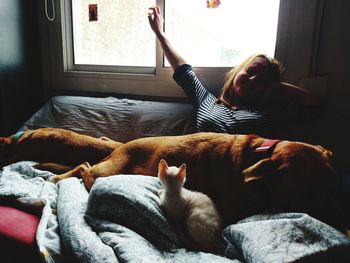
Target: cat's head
171,176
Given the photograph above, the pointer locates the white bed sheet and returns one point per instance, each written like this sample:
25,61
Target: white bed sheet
119,119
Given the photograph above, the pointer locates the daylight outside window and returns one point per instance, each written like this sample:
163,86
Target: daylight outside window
117,33
222,36
113,32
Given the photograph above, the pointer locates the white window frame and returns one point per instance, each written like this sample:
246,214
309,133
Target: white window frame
296,48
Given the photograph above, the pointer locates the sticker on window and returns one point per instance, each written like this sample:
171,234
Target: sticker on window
93,12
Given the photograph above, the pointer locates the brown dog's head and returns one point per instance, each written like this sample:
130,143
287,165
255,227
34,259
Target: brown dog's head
291,158
299,177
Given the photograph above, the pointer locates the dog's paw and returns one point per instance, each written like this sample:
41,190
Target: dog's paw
86,165
53,179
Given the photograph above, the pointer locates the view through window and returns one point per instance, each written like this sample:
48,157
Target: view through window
222,36
116,32
113,32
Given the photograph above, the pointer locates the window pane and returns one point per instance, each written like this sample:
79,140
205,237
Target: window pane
118,34
222,36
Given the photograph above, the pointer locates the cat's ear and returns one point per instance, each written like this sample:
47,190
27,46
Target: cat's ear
162,167
182,173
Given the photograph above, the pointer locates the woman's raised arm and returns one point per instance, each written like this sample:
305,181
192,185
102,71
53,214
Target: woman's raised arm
156,22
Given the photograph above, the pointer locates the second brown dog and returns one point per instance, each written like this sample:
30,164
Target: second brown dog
65,148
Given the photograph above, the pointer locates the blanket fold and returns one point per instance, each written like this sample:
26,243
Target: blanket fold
287,237
81,242
133,204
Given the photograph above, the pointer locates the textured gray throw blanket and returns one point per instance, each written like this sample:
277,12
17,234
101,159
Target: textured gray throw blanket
120,221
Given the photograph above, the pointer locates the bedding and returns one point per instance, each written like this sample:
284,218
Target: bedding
118,119
120,219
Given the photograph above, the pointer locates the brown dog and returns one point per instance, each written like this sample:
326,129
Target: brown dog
64,147
290,176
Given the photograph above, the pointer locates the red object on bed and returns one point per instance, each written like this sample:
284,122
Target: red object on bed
17,235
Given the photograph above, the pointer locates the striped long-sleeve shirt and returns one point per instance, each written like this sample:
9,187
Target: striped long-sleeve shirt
216,117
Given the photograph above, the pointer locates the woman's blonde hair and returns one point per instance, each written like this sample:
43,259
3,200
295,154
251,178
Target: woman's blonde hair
273,75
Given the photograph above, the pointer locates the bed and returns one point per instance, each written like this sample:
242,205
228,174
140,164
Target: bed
119,220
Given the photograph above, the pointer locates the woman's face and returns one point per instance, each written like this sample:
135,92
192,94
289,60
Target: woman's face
251,80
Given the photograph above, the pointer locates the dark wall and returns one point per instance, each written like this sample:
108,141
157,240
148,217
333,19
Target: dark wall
334,61
20,64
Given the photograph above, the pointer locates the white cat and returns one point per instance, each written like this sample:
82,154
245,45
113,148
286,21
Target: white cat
199,220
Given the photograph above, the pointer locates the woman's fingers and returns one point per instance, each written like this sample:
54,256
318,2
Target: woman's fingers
155,19
150,11
154,11
151,16
157,9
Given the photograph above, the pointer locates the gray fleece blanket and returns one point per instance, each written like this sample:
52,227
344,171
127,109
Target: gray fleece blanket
120,221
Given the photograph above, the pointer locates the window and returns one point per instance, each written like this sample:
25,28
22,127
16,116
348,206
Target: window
107,45
223,36
111,32
119,34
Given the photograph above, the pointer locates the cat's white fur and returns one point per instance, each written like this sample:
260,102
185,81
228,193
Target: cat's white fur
195,211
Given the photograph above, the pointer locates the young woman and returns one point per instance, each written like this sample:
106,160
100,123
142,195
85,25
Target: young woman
252,99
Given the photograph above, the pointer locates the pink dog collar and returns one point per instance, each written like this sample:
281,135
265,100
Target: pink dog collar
266,145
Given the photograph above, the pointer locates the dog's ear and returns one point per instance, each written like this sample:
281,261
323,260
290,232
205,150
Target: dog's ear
162,167
327,152
261,169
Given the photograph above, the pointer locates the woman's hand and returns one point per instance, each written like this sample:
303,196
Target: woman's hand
285,93
297,94
156,20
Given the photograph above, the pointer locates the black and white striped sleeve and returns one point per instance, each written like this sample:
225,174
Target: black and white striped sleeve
187,79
